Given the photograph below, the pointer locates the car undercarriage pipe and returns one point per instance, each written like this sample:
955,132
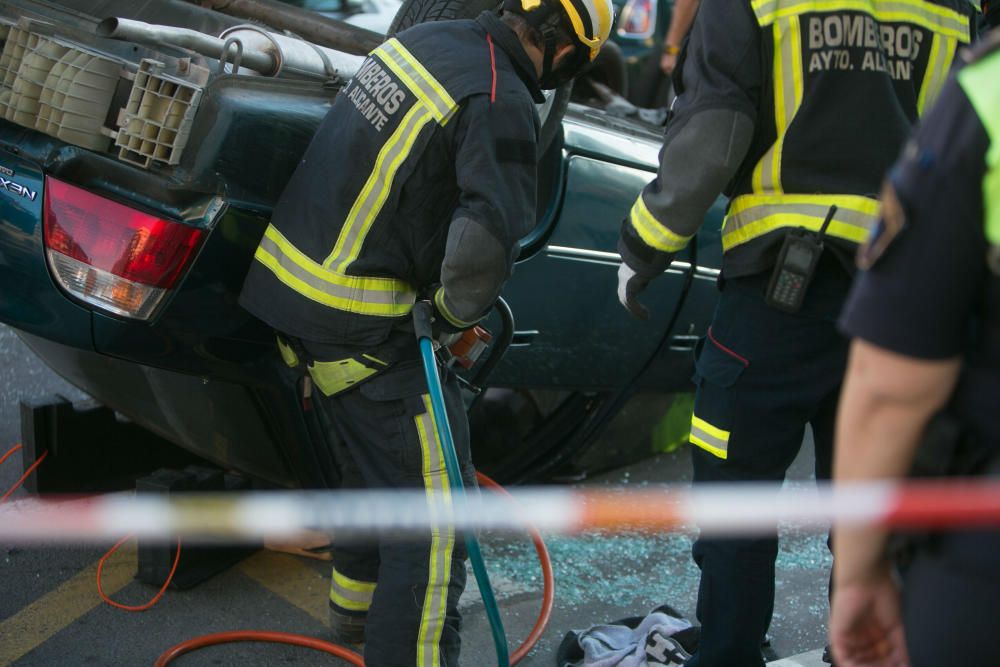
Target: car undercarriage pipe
308,24
264,52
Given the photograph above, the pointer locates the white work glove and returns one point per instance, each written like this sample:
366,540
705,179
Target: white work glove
630,285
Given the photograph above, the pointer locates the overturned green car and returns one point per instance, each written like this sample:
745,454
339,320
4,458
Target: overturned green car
142,146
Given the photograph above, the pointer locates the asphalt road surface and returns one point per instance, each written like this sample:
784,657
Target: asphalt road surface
51,614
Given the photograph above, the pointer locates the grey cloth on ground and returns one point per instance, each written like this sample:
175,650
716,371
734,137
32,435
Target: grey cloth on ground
622,646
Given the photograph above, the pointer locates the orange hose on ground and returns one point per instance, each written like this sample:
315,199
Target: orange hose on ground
23,477
548,600
548,582
9,452
257,636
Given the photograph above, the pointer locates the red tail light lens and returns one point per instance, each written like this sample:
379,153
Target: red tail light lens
638,19
110,255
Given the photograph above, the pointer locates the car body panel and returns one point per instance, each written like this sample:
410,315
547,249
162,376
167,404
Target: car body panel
29,298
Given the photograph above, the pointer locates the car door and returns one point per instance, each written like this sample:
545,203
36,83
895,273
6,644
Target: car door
571,332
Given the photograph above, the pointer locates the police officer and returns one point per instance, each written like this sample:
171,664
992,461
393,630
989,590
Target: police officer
417,184
794,109
925,317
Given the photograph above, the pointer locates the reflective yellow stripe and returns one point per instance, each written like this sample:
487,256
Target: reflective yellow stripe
933,17
333,377
288,355
938,63
385,297
434,609
753,216
788,92
710,438
443,309
652,233
350,594
417,79
433,103
376,190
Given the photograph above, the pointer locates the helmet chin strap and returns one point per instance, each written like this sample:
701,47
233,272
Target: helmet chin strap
548,79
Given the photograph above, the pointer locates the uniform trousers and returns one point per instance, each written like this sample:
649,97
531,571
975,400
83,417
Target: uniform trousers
408,589
951,598
762,375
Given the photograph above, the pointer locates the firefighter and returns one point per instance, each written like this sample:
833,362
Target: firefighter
418,184
925,317
794,109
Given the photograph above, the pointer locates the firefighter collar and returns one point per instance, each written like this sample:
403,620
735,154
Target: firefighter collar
507,40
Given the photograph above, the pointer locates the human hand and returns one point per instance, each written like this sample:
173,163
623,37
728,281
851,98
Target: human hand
668,61
630,285
866,627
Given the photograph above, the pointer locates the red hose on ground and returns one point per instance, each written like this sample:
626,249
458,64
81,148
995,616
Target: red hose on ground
138,607
23,477
545,613
548,581
548,599
258,636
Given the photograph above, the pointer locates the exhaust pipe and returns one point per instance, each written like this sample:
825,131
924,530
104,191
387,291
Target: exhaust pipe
264,52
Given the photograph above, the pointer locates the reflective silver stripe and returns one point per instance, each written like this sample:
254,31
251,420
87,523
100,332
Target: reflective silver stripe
754,221
652,232
341,292
709,438
416,77
918,12
434,609
350,594
376,190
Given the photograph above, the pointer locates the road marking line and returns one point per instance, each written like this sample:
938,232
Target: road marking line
287,577
39,621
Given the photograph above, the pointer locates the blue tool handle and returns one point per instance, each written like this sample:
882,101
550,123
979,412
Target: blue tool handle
423,315
440,415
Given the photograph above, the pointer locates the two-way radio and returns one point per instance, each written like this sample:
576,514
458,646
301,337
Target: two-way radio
796,266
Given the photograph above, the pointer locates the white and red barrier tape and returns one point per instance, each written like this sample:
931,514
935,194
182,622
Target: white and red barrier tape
716,509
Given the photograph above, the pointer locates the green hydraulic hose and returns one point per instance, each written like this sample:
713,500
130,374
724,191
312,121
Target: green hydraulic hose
422,327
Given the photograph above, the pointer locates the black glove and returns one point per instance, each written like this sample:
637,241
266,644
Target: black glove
630,285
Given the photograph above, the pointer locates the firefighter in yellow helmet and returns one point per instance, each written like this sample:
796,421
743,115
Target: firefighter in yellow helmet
794,109
418,184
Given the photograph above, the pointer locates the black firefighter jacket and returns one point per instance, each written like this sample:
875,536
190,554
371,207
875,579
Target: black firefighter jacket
422,173
790,107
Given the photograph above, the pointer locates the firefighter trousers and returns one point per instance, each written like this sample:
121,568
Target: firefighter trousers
762,375
406,589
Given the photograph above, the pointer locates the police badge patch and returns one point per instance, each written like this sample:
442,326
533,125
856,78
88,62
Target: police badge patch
890,224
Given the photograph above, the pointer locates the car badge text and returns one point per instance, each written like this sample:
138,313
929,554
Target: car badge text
17,189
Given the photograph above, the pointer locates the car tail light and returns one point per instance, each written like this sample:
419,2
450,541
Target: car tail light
112,256
638,19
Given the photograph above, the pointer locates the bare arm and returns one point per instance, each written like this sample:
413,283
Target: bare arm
886,403
680,23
